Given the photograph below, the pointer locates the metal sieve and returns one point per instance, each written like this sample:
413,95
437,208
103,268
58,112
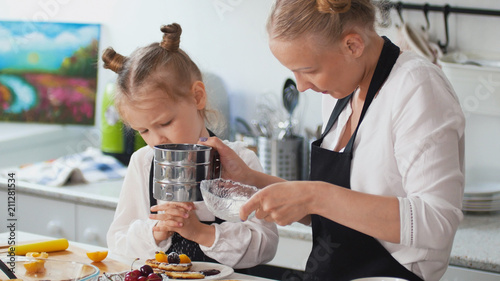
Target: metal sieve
179,169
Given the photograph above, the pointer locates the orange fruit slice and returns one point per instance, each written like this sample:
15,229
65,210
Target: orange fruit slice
97,256
184,258
38,255
161,257
35,266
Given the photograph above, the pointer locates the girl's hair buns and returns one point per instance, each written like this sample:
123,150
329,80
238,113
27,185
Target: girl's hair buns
171,37
112,60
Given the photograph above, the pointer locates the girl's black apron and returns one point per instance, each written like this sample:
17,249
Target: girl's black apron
339,252
180,244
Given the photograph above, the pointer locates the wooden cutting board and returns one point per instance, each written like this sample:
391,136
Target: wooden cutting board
77,254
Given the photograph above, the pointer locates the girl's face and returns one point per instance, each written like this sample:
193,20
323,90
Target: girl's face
162,120
328,70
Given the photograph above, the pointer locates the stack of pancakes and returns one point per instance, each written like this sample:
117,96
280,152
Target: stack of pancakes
175,270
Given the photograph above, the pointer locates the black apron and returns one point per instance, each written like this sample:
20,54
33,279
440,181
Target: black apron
339,252
180,244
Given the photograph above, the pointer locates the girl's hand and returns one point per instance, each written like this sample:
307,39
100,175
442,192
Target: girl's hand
170,215
282,203
180,217
194,230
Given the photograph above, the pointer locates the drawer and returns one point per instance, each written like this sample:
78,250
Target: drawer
45,216
93,224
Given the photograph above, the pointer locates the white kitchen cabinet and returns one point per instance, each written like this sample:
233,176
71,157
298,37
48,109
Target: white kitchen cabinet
45,216
57,218
292,253
93,224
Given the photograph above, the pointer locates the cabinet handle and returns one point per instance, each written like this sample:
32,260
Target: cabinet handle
54,228
91,235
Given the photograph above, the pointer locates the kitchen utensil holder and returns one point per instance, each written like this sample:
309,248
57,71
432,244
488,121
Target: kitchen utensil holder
282,157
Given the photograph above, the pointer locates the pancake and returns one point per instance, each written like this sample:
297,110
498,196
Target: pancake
179,267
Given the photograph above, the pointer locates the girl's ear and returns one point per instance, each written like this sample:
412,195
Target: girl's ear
200,95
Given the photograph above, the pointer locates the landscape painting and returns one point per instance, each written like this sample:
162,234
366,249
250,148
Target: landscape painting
48,72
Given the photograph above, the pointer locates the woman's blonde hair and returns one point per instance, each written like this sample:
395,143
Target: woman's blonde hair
162,66
327,19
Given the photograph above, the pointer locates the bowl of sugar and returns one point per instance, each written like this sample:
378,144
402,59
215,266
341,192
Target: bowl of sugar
224,198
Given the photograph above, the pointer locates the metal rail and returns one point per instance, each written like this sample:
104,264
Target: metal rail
445,9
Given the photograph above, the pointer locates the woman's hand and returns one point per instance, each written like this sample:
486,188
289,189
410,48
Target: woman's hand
233,167
282,203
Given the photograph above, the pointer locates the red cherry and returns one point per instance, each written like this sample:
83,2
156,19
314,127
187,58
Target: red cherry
130,278
146,270
142,278
154,277
134,273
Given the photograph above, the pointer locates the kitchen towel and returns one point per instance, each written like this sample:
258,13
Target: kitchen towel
417,40
85,167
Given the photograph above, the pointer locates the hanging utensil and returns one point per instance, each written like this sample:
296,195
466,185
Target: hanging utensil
261,127
244,128
290,101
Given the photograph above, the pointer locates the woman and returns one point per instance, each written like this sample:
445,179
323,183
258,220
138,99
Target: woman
387,175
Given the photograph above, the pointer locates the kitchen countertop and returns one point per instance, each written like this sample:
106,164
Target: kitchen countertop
99,194
476,242
21,236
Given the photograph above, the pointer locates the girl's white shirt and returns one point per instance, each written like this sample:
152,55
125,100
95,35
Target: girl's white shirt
238,245
410,144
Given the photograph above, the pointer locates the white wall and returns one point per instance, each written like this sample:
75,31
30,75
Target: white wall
477,34
227,38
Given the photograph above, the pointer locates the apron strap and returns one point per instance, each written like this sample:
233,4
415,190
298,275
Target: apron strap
339,106
382,71
152,199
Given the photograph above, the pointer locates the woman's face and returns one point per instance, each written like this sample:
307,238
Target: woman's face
328,70
162,120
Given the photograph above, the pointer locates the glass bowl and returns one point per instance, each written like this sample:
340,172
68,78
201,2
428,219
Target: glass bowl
224,198
54,270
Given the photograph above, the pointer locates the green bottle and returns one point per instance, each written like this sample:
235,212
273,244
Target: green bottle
116,139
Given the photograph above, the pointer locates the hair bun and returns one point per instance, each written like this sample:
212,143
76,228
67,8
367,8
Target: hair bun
171,37
112,60
333,6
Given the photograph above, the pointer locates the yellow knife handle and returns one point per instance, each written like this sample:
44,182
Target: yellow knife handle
46,246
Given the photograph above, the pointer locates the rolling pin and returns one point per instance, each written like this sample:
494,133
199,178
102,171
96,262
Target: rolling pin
45,246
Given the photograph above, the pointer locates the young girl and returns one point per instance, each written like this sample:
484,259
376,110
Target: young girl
160,94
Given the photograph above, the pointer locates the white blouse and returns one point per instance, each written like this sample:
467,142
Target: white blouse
410,144
238,245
